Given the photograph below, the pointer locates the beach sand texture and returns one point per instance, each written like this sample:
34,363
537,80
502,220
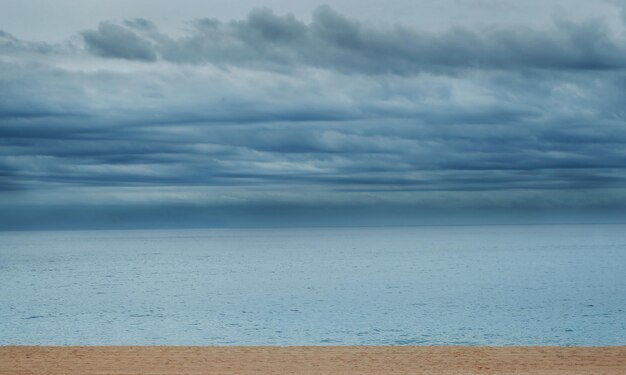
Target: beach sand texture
389,360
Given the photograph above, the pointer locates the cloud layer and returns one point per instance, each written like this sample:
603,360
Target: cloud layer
333,41
274,112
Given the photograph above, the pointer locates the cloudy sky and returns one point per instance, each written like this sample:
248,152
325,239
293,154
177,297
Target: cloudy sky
134,114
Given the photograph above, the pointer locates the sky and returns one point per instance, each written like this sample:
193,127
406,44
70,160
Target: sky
160,114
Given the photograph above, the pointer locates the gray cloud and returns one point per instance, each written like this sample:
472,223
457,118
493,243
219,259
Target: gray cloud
112,40
9,44
266,114
334,41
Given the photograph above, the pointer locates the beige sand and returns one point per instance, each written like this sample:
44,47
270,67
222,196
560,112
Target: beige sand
312,360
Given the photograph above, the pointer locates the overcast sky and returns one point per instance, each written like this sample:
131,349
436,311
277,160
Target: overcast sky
123,114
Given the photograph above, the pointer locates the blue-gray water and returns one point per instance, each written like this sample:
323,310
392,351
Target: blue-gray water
483,285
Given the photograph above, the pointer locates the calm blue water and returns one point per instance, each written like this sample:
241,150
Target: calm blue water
484,285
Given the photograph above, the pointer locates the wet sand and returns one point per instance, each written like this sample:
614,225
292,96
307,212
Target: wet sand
24,360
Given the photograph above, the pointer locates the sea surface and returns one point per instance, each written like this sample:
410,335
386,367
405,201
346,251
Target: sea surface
464,285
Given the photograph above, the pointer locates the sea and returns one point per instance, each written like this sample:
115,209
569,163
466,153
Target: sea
440,285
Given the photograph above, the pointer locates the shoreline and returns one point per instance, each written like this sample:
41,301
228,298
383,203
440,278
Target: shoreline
428,360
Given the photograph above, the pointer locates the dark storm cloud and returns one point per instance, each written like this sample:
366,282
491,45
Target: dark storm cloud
8,179
112,40
334,41
265,115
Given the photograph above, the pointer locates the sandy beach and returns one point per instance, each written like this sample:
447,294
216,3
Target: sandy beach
24,360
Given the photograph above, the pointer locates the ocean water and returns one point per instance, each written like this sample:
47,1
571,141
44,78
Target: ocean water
482,285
